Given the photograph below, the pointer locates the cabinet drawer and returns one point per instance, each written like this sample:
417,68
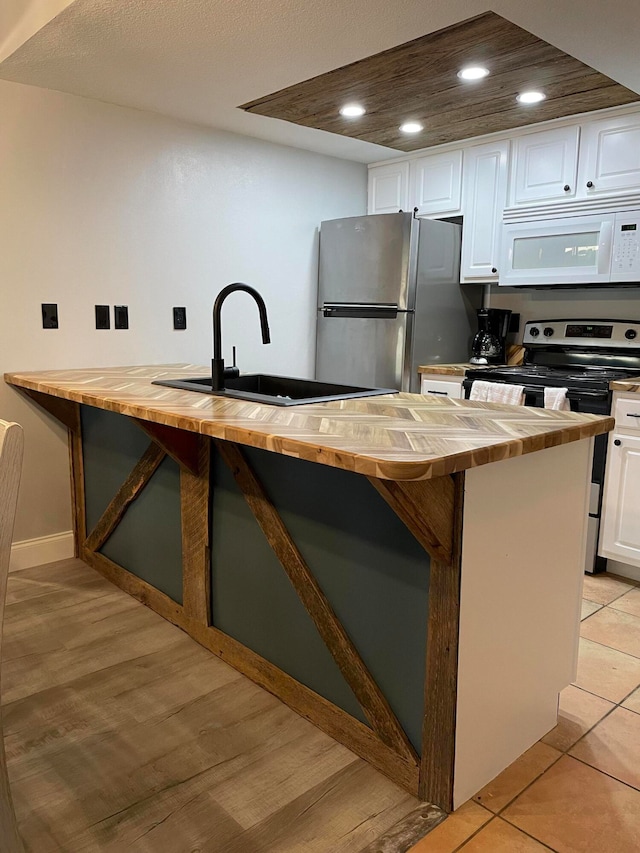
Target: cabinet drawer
441,388
627,413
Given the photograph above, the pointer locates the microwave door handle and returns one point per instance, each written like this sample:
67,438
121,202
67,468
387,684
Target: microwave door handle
606,245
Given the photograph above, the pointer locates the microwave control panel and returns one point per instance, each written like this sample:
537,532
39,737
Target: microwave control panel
625,264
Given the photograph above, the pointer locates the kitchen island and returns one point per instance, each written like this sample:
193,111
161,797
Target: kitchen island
403,571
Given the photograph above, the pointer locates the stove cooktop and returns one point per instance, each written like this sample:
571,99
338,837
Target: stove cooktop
592,377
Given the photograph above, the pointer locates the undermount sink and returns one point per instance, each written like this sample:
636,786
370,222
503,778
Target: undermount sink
275,390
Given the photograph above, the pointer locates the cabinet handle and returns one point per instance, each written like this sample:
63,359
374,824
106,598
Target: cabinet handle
589,184
440,393
632,415
567,188
494,270
617,442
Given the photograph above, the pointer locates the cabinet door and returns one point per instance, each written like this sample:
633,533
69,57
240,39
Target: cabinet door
388,188
484,199
620,537
435,183
544,165
610,156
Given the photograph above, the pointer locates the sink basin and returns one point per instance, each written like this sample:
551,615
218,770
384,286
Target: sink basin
276,390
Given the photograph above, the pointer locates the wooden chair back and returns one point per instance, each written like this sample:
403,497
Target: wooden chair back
11,447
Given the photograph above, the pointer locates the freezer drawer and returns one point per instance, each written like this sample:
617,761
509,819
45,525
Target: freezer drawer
369,350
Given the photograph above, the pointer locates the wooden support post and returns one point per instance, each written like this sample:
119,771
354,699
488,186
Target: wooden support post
196,553
432,511
441,680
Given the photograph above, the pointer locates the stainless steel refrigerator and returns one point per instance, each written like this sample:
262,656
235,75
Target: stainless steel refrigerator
390,299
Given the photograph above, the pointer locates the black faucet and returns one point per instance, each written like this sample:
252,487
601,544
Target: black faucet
217,363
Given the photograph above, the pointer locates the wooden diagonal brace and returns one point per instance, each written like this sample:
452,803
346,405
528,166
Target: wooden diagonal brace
126,494
427,509
345,654
182,446
66,411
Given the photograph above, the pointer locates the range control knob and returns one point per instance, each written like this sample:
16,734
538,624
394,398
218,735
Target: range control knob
630,334
548,332
534,331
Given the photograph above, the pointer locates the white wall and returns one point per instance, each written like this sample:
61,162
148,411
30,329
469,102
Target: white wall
103,204
586,303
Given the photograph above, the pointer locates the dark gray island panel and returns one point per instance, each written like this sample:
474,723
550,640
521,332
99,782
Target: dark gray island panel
373,572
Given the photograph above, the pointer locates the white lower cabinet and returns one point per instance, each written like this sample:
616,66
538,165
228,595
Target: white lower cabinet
440,385
484,198
620,534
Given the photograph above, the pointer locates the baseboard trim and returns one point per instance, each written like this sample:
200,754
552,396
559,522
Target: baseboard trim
43,549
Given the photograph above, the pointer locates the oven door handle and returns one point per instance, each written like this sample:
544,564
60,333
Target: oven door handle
597,395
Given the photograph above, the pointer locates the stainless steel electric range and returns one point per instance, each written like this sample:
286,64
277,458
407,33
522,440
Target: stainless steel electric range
583,356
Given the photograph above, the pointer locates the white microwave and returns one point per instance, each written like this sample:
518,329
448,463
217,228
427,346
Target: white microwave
592,249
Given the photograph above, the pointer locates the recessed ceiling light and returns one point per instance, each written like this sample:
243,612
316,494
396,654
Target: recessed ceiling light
530,97
352,111
473,72
411,127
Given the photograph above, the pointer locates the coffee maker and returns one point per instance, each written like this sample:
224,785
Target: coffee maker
489,343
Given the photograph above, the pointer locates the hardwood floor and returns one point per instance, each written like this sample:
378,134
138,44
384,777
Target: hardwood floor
122,734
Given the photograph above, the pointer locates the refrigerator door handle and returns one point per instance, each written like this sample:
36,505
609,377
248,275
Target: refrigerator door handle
359,309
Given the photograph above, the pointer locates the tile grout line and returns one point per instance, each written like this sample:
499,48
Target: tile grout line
576,758
493,817
604,772
499,814
612,648
526,787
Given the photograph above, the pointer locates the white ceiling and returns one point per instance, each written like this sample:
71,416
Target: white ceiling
196,60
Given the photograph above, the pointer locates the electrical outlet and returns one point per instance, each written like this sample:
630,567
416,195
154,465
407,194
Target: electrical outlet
103,318
121,316
180,318
49,315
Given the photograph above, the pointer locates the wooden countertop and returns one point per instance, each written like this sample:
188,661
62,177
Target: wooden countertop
631,386
396,437
446,369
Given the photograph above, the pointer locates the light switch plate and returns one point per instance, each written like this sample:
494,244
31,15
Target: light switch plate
180,318
103,317
49,315
121,316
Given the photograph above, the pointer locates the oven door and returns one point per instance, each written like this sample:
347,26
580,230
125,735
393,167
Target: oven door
575,250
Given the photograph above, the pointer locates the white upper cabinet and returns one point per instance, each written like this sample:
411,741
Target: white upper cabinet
389,188
435,184
610,156
544,166
484,199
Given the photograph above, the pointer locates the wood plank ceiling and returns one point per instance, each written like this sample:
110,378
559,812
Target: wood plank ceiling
417,81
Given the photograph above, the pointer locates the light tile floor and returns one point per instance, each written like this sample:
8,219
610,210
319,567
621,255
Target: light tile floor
578,789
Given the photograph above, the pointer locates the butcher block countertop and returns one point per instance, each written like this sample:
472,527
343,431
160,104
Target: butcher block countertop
446,369
396,437
631,386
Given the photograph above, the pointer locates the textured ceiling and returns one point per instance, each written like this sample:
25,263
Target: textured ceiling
196,60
